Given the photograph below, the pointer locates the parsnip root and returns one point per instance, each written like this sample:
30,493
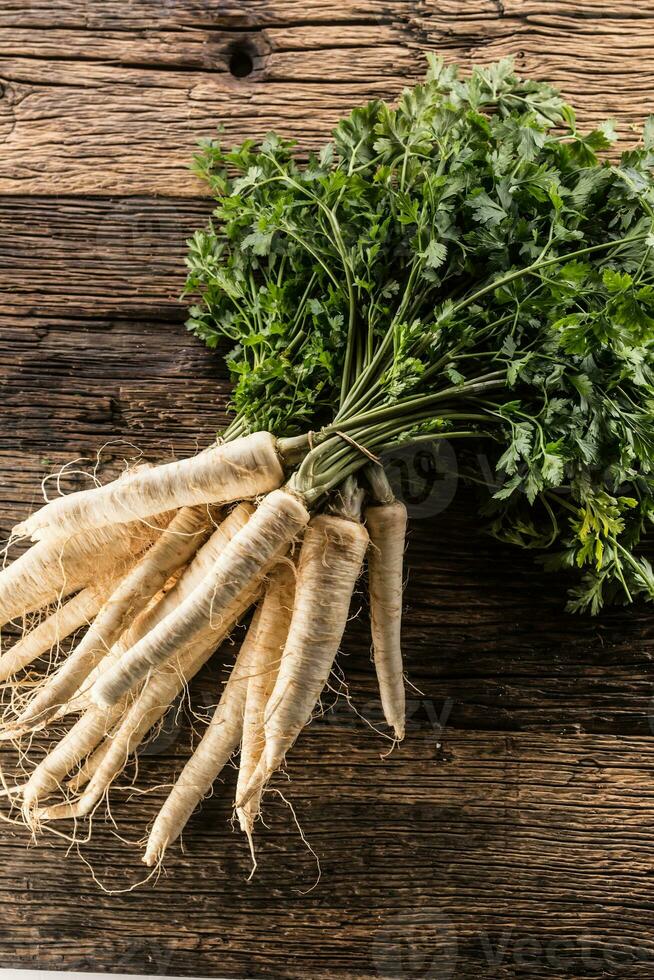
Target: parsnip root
169,601
76,612
54,568
387,528
330,562
82,739
147,709
220,740
230,471
241,565
276,612
173,548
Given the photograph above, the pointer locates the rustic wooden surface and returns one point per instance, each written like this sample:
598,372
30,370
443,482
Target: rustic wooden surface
512,833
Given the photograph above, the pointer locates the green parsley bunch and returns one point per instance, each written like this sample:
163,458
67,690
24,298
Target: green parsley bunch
463,266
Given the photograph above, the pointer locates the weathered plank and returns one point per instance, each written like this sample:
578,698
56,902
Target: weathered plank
597,56
106,381
208,49
476,855
157,14
511,833
95,258
88,110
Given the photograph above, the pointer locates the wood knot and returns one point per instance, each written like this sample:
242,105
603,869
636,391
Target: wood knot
241,61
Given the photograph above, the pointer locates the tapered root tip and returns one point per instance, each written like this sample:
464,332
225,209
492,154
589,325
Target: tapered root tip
247,826
30,815
151,857
274,758
66,811
259,778
30,797
154,851
400,732
244,821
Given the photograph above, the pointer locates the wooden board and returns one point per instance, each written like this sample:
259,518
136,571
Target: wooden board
113,101
512,832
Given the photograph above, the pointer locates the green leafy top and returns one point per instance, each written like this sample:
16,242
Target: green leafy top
460,266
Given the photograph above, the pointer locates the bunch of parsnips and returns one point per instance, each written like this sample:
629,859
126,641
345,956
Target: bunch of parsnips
462,267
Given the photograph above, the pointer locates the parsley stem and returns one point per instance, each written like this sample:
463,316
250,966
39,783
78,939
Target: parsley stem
406,405
328,479
536,266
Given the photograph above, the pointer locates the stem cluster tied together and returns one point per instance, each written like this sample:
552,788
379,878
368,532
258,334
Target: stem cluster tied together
464,267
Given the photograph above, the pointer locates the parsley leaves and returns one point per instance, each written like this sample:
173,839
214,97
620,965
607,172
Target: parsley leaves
465,266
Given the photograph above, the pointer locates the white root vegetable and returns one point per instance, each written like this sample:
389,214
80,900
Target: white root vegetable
199,567
76,612
95,723
276,612
192,575
244,468
53,569
387,528
150,705
146,710
219,741
82,739
242,565
90,765
173,548
81,699
330,562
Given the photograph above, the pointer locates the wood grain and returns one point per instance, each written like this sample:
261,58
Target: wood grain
512,832
457,857
98,257
89,110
